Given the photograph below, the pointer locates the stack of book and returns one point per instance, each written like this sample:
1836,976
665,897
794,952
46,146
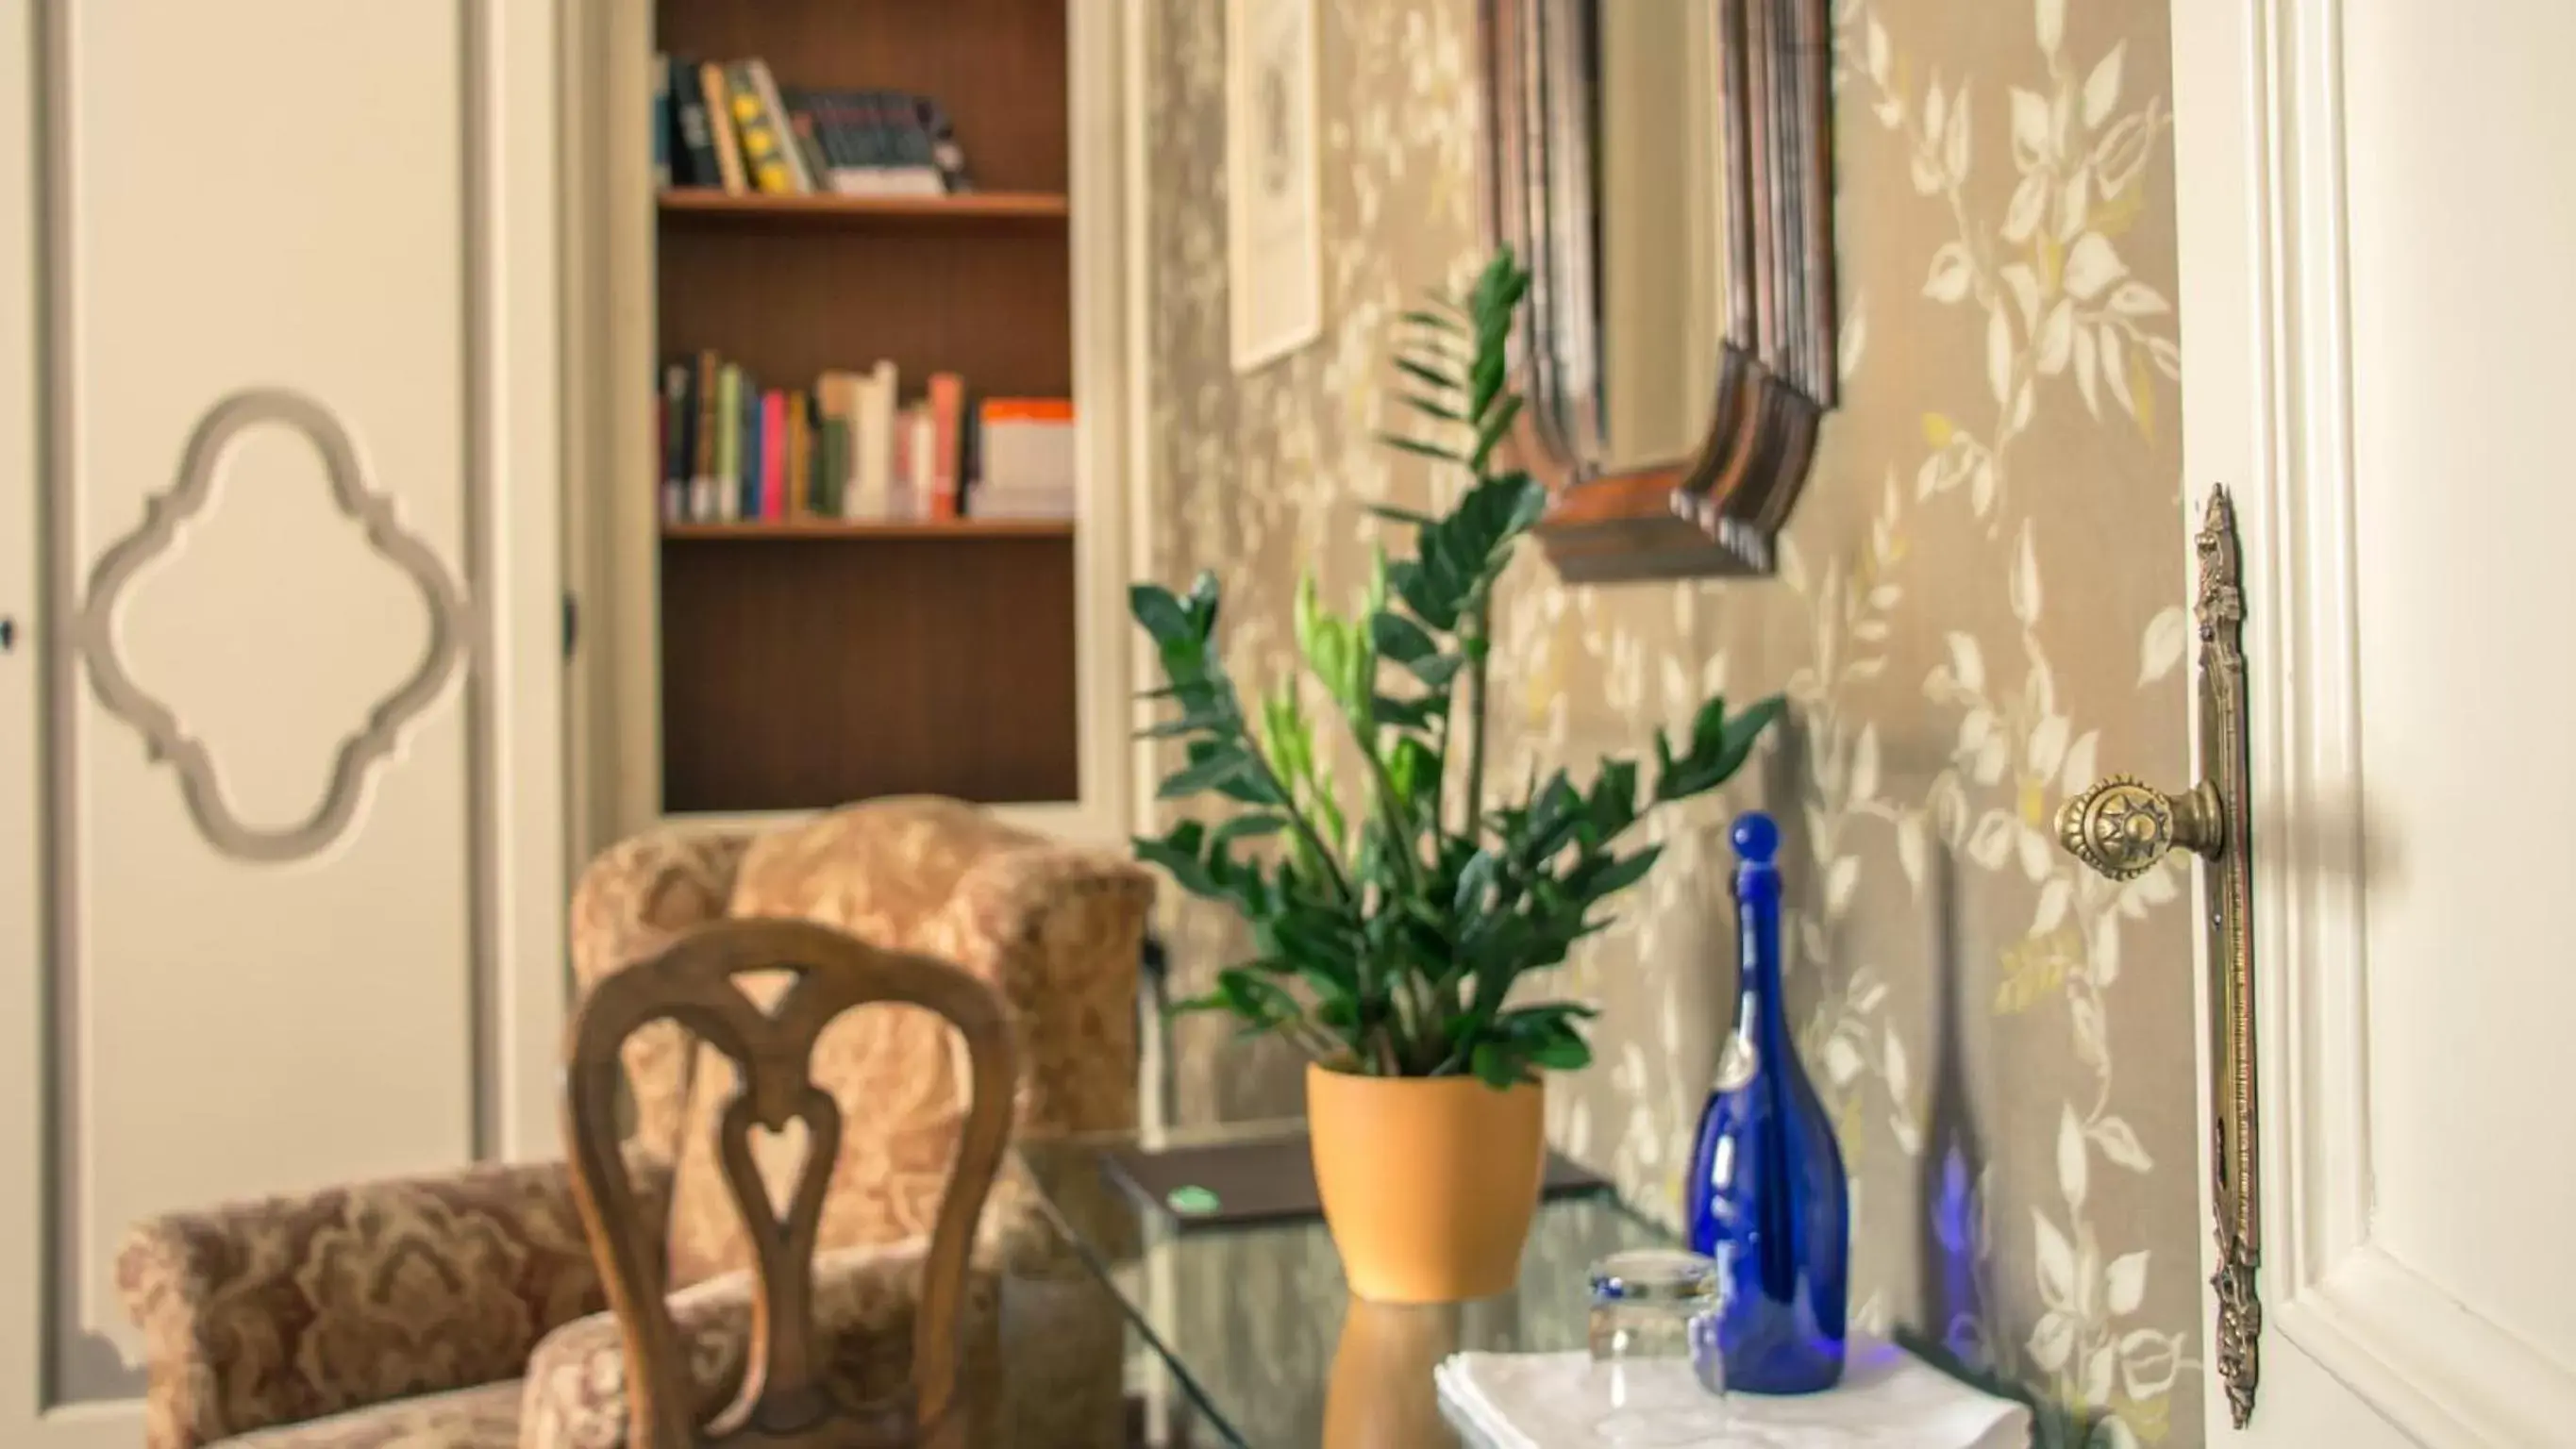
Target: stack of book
1023,453
846,447
729,125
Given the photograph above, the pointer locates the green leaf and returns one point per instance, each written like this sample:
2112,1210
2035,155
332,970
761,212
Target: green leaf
1256,998
1245,827
1413,769
1475,883
1187,724
1612,806
1425,373
1400,515
1400,639
1436,671
1436,322
1492,430
1212,769
1564,1052
1182,863
1412,714
1422,448
1529,505
1719,748
1485,379
1430,603
1432,408
1202,602
1621,874
1160,612
1496,1065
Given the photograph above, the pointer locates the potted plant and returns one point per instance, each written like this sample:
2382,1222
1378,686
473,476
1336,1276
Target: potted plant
1391,925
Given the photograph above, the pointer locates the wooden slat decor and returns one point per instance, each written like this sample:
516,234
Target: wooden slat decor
806,672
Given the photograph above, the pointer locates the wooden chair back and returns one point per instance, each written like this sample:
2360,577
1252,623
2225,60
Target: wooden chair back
785,1402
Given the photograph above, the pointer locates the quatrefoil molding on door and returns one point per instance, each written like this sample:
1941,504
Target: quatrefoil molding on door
93,634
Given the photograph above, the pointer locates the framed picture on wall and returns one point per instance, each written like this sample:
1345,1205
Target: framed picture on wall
1274,238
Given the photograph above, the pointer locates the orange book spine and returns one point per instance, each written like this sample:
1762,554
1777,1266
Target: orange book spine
948,422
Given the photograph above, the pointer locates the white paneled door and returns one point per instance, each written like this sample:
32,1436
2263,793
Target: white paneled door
2378,216
280,813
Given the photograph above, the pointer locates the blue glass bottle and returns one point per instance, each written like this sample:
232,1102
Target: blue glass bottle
1767,1197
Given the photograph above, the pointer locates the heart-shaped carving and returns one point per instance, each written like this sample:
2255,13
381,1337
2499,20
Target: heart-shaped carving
786,1169
780,1159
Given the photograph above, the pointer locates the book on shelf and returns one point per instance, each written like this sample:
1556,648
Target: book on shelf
730,126
726,152
737,450
1025,458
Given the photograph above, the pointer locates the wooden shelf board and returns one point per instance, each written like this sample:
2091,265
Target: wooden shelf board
812,528
705,203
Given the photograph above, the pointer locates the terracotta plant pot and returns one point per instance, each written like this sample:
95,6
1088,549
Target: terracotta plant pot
1428,1184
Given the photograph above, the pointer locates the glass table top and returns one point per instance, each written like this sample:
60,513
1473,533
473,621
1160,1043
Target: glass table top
1246,1334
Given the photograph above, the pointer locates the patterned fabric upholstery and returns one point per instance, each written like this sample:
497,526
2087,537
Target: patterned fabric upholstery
293,1308
863,1298
1058,929
402,1315
636,898
484,1418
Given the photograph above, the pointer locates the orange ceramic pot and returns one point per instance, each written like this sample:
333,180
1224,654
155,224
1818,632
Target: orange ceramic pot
1428,1184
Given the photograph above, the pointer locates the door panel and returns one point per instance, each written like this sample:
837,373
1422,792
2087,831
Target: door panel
2375,221
292,846
2462,216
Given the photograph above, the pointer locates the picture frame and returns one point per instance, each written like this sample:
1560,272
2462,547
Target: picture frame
1274,234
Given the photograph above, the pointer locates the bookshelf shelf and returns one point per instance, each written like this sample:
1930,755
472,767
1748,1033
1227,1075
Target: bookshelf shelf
805,661
706,205
824,528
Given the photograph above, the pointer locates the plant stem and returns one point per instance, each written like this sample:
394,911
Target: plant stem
1296,817
1480,652
1311,1039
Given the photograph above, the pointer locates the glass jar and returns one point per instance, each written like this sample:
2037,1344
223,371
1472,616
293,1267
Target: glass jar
1657,1374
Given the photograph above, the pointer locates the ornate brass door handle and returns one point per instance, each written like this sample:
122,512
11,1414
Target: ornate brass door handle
2122,828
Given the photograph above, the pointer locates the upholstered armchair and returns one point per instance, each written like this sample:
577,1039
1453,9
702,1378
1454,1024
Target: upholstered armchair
464,1311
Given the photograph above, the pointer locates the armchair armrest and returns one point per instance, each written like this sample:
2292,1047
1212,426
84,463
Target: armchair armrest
290,1308
864,1300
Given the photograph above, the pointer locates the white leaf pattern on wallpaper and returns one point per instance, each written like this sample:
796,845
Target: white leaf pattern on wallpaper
1961,646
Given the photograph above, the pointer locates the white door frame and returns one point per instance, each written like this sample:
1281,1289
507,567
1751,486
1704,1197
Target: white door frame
2259,147
513,339
609,237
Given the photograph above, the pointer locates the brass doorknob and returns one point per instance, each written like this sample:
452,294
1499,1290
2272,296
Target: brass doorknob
2121,827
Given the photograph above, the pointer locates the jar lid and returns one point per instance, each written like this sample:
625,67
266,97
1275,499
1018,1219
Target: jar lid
1655,1275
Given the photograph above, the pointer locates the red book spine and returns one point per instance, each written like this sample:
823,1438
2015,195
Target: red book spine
773,459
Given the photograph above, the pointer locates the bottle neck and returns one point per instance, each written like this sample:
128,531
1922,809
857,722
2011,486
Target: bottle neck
1759,1012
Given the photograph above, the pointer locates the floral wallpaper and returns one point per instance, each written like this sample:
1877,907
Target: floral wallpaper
1979,609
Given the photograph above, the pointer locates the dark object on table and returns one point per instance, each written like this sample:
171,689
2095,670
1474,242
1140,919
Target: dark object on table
1251,1182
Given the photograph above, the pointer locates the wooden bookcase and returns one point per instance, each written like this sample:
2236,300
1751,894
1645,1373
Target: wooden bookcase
801,665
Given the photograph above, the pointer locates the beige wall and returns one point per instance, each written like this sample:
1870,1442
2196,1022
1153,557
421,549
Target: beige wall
1979,607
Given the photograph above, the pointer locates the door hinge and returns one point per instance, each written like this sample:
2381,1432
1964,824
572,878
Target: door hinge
571,624
8,633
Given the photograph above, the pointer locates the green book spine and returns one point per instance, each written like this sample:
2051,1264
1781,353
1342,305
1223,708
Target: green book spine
836,466
728,442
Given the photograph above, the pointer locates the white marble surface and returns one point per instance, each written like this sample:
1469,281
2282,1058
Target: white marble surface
1888,1399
